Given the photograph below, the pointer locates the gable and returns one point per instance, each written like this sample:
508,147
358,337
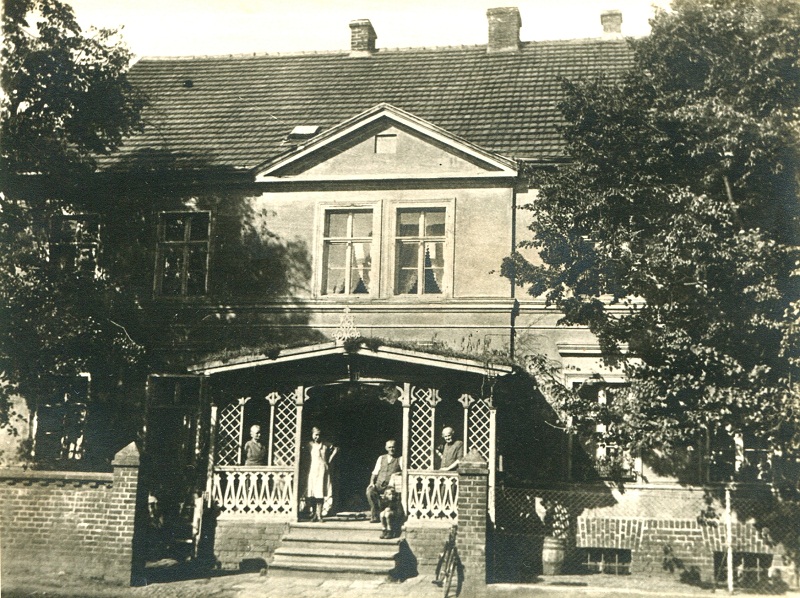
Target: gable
385,143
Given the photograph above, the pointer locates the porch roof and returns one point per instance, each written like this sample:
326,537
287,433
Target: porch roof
446,362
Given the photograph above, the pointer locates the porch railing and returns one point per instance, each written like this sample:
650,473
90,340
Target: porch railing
253,490
433,495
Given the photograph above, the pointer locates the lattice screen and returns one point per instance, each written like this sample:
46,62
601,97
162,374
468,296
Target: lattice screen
423,405
229,433
285,428
479,427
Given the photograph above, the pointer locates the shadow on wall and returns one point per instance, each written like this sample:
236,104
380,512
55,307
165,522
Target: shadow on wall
250,265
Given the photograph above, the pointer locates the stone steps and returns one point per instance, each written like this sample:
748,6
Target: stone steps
336,548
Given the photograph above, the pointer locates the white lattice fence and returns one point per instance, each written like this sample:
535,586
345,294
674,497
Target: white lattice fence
229,433
423,405
479,427
284,428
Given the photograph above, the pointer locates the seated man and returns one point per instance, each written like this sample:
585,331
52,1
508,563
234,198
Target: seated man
385,466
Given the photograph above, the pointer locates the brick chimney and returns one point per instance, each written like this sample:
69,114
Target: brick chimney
362,38
612,22
504,26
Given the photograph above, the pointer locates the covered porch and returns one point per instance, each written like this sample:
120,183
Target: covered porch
361,396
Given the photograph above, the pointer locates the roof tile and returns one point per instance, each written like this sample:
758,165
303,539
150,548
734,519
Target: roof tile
239,109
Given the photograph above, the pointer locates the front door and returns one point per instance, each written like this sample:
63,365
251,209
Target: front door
358,419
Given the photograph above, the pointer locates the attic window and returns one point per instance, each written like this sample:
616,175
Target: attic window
386,144
188,83
304,131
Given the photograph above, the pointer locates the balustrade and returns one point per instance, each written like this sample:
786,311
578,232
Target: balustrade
253,490
433,495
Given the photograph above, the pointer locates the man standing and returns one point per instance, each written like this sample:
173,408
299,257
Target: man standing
451,451
385,466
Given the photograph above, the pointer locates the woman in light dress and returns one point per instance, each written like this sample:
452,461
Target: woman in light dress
318,482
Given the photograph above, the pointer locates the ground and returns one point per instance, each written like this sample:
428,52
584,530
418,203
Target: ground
258,585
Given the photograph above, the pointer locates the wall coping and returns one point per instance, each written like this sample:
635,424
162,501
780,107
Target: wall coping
9,474
612,486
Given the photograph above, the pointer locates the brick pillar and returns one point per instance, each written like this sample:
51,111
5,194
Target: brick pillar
473,503
121,538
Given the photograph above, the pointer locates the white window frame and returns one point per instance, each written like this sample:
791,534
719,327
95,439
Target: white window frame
389,286
186,243
82,241
320,241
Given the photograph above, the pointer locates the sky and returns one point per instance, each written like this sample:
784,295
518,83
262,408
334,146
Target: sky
200,27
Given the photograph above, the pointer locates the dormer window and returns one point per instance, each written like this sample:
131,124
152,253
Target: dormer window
301,132
386,144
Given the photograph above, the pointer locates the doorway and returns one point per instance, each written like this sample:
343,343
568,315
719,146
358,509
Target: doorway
358,419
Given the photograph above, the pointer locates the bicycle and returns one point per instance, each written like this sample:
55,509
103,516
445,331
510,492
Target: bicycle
449,566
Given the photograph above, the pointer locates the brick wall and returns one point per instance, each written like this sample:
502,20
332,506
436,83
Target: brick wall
67,521
426,540
473,502
246,542
652,522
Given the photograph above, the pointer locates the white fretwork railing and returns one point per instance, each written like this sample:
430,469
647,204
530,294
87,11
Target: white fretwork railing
253,490
433,495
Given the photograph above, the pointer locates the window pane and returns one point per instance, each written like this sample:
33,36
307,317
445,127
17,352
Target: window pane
172,266
408,223
434,255
199,230
174,226
407,255
407,282
361,262
336,224
362,224
434,268
334,257
434,223
196,272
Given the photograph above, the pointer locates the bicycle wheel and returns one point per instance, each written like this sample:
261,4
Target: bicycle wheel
449,572
441,566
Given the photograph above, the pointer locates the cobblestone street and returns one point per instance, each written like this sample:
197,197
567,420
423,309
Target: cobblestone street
256,585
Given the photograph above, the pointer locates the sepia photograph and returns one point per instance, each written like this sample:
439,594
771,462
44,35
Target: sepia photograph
354,298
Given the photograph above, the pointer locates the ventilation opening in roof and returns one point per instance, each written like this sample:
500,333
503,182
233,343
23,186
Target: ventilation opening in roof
304,131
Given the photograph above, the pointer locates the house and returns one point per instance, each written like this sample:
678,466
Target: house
379,192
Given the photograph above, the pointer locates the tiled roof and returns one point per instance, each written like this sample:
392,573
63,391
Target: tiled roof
235,111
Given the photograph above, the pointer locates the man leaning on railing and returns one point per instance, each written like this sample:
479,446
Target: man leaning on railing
451,452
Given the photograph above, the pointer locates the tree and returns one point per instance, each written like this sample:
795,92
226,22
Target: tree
673,233
66,99
79,236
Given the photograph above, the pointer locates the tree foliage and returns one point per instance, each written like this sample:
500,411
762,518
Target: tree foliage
673,233
66,95
66,99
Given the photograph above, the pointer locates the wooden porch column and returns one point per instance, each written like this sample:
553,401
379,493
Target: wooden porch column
212,453
492,456
299,398
405,398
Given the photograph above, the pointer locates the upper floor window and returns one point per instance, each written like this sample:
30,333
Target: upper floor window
75,242
182,256
419,268
347,252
